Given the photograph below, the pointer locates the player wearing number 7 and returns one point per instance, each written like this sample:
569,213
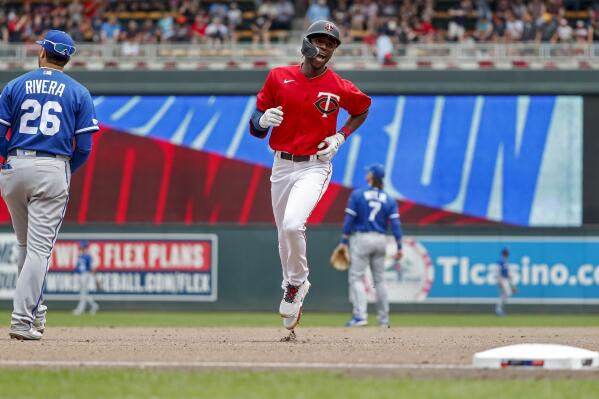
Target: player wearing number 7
51,118
367,217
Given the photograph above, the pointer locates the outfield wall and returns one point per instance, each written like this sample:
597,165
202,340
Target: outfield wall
238,268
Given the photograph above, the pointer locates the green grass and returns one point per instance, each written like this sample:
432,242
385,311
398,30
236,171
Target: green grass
310,319
101,383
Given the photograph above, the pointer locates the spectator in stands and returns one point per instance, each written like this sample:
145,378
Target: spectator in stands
75,11
484,30
384,48
406,34
457,26
564,33
261,30
581,32
537,10
218,10
499,28
198,28
483,10
234,18
180,30
110,30
165,28
358,15
318,10
518,8
16,26
371,9
217,32
131,39
425,30
388,11
514,27
341,14
548,28
529,29
284,13
149,32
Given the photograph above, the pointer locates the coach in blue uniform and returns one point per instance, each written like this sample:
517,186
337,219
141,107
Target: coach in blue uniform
51,118
367,218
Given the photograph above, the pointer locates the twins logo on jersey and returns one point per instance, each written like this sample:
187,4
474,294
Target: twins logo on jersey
327,103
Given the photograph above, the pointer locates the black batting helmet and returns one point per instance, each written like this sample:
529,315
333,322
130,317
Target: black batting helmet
323,27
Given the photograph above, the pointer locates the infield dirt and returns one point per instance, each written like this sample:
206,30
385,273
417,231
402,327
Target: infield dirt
187,347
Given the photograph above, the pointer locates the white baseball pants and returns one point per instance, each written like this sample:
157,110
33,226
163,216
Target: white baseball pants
36,192
296,188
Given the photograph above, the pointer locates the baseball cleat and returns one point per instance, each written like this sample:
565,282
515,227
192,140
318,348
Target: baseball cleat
39,326
25,335
293,298
356,322
291,322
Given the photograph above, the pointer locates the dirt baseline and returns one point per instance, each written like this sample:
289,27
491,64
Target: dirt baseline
402,351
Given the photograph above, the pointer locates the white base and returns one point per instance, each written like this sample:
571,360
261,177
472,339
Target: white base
537,356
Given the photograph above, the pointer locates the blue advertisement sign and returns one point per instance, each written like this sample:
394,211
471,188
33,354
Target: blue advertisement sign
465,270
511,159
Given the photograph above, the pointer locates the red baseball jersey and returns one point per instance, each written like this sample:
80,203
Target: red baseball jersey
310,107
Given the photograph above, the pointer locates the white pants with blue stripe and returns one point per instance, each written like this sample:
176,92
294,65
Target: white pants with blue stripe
36,191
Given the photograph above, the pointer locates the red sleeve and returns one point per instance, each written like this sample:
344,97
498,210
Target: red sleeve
266,98
355,102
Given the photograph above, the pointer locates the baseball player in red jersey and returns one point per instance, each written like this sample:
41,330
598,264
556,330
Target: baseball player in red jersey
301,104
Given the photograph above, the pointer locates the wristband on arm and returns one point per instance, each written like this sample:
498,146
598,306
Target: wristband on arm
345,131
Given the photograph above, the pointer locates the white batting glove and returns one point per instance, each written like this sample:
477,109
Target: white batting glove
329,146
272,117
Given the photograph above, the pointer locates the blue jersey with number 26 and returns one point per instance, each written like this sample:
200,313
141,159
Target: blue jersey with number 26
372,208
44,109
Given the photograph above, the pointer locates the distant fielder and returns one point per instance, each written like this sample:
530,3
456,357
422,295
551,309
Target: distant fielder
367,218
86,271
51,118
504,282
301,103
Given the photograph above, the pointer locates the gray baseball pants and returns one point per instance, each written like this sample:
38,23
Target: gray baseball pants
85,280
368,249
36,191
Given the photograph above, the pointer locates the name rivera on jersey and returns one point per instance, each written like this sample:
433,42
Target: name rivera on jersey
375,196
38,86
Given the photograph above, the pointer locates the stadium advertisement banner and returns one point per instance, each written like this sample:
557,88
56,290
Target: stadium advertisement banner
179,267
508,159
545,270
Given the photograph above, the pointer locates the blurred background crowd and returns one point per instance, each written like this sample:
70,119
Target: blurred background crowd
216,22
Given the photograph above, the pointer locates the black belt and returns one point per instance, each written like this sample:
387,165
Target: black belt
38,154
295,158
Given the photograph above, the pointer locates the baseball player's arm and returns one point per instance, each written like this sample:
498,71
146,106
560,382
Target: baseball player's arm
267,114
261,122
83,147
350,216
5,120
396,227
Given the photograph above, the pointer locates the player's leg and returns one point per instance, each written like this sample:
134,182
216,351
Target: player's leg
281,183
49,183
377,263
356,277
359,255
89,300
82,294
311,181
310,185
